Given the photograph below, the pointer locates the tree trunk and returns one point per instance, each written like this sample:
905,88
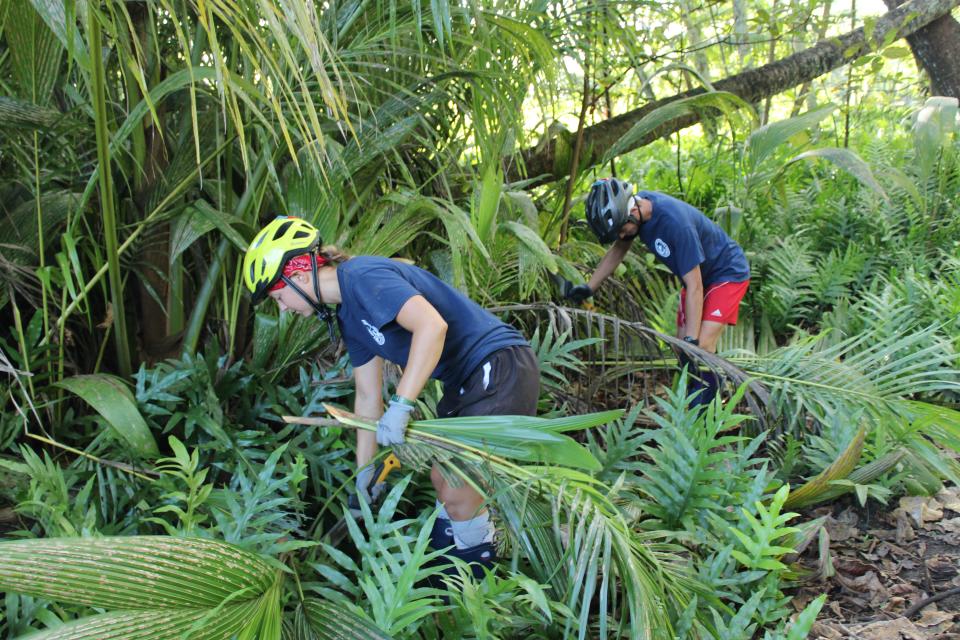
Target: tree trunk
752,85
936,48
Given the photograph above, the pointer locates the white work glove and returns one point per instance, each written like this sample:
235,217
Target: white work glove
393,424
366,490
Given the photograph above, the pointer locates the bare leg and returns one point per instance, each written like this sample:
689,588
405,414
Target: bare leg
461,504
710,335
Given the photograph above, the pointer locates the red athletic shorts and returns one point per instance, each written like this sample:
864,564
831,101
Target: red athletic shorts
721,303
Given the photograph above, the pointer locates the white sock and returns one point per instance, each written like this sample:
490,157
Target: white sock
443,511
470,533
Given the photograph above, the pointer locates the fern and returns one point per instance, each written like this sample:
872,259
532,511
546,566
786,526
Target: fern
392,570
762,550
686,478
786,293
556,354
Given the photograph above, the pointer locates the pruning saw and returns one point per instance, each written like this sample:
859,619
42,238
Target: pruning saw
384,468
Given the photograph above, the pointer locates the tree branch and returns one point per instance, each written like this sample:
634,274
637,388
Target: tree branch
752,85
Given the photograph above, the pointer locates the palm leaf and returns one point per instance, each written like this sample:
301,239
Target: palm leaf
16,113
846,160
764,140
35,52
332,622
723,101
114,401
935,122
600,554
180,585
524,438
813,490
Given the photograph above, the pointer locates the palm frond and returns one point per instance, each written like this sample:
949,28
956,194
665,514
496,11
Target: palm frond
599,552
159,586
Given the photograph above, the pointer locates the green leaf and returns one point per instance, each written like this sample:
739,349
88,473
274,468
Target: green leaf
849,162
723,101
334,621
896,52
766,139
800,628
33,53
198,624
114,401
64,27
195,221
532,241
812,491
222,221
935,122
25,114
487,202
145,573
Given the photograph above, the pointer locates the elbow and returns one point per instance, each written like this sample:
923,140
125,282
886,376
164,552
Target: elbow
441,330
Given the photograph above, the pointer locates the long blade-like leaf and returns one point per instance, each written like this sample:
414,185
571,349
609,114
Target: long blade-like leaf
111,398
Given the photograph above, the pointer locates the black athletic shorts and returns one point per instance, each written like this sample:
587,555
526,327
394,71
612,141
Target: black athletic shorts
507,383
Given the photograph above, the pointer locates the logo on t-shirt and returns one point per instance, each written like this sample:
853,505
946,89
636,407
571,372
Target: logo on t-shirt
374,333
662,249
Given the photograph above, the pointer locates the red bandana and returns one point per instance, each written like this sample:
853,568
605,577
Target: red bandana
296,264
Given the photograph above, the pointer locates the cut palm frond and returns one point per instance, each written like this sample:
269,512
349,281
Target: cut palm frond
628,350
562,521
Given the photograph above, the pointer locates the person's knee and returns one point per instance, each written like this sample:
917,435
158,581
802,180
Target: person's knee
710,335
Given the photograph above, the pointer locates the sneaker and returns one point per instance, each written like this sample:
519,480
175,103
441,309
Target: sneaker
480,558
441,536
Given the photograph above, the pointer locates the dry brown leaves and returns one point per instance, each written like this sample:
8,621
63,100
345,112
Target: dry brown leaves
882,563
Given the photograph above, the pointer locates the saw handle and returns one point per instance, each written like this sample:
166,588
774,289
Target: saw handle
385,467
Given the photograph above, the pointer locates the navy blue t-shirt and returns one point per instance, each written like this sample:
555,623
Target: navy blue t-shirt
681,237
373,289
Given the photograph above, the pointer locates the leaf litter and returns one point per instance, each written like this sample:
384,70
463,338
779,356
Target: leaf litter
882,565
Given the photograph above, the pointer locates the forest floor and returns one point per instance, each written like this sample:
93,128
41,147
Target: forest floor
883,563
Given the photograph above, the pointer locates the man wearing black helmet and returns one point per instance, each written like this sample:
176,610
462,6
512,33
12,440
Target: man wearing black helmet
712,266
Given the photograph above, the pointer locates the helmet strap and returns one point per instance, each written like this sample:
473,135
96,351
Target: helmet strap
637,219
323,311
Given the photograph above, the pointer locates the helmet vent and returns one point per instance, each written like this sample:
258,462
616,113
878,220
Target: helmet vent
301,234
282,229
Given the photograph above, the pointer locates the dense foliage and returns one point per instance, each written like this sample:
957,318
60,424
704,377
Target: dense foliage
149,487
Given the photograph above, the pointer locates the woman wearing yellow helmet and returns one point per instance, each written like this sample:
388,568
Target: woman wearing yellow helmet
388,310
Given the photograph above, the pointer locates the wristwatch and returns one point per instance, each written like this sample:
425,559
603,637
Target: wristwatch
691,340
402,400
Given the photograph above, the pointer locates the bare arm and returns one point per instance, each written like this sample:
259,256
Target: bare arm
693,310
429,330
368,381
610,262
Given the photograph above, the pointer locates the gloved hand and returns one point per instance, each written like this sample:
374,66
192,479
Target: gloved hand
366,490
576,293
391,426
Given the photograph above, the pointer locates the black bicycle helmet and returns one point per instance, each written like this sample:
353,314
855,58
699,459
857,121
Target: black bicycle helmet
608,208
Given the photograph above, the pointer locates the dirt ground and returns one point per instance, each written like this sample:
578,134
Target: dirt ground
881,568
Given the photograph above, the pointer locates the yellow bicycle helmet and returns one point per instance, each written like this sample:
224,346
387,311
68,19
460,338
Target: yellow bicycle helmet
283,238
